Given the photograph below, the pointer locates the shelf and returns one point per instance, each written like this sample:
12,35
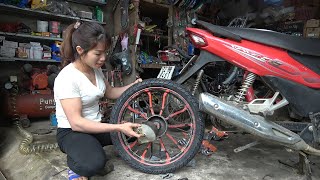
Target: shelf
41,14
88,20
152,35
2,59
30,36
89,2
36,13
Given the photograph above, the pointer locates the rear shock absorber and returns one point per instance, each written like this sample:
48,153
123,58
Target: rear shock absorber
247,83
196,84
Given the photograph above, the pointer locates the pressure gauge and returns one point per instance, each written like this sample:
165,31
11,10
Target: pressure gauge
8,85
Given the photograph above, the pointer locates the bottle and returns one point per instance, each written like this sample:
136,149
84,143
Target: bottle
99,14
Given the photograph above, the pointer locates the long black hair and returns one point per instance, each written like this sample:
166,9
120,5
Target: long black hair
84,34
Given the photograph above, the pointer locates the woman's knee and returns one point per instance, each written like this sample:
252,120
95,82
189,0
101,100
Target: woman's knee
89,165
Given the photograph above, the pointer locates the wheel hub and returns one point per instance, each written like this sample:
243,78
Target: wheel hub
158,124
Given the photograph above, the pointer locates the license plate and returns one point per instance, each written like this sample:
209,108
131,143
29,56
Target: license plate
166,72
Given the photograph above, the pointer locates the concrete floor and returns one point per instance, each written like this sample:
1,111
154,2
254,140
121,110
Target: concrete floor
259,163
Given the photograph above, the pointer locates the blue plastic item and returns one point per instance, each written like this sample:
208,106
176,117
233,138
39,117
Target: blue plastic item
53,119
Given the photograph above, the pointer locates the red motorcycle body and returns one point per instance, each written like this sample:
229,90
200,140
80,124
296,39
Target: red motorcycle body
260,59
289,65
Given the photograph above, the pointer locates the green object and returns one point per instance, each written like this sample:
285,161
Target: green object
99,14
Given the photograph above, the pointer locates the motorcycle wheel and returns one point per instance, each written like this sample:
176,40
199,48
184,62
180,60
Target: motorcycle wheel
176,144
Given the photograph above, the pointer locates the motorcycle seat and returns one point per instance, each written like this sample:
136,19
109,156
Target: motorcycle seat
303,46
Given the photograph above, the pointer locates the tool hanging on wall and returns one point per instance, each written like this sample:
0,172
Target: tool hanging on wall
120,57
124,5
157,40
115,77
136,43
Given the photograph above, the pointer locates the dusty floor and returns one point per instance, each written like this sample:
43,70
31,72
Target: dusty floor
259,162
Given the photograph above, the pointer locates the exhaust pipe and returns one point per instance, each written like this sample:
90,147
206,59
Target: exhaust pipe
253,124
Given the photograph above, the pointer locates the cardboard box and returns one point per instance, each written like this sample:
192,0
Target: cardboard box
2,38
312,32
313,23
25,45
46,54
7,51
11,44
22,52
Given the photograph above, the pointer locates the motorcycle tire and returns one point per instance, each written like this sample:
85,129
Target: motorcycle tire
158,164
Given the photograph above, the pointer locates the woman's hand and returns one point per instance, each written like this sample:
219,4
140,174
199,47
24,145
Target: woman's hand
127,129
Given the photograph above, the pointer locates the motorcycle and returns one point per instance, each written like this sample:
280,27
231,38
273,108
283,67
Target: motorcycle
172,118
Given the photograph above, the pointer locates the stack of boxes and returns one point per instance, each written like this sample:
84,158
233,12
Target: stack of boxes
32,50
312,28
8,48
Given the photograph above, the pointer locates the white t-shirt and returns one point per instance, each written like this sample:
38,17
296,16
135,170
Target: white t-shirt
72,83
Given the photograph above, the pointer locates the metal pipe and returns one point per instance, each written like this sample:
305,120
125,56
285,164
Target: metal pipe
254,124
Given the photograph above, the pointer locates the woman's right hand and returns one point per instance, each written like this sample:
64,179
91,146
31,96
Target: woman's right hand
127,129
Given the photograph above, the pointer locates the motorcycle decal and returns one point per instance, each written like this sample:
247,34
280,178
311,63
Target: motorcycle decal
247,53
285,67
261,59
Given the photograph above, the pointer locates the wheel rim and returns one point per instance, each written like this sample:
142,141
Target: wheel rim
154,104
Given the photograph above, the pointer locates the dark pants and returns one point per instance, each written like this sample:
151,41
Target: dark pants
85,154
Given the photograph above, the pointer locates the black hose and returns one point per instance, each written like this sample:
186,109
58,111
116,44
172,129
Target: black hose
232,76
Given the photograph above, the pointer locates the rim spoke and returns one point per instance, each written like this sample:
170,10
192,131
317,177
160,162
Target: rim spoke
163,149
185,135
132,144
137,112
163,101
177,113
174,141
179,125
145,151
150,102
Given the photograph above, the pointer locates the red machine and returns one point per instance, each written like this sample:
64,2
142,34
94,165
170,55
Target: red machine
37,101
32,105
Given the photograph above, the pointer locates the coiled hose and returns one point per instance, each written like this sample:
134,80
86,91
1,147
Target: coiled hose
26,146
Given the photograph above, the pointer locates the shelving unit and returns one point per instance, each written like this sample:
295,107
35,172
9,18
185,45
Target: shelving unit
89,3
152,35
10,59
30,36
41,14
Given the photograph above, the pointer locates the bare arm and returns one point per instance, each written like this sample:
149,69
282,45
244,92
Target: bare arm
73,107
115,92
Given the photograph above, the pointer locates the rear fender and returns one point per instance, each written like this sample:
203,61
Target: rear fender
203,59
